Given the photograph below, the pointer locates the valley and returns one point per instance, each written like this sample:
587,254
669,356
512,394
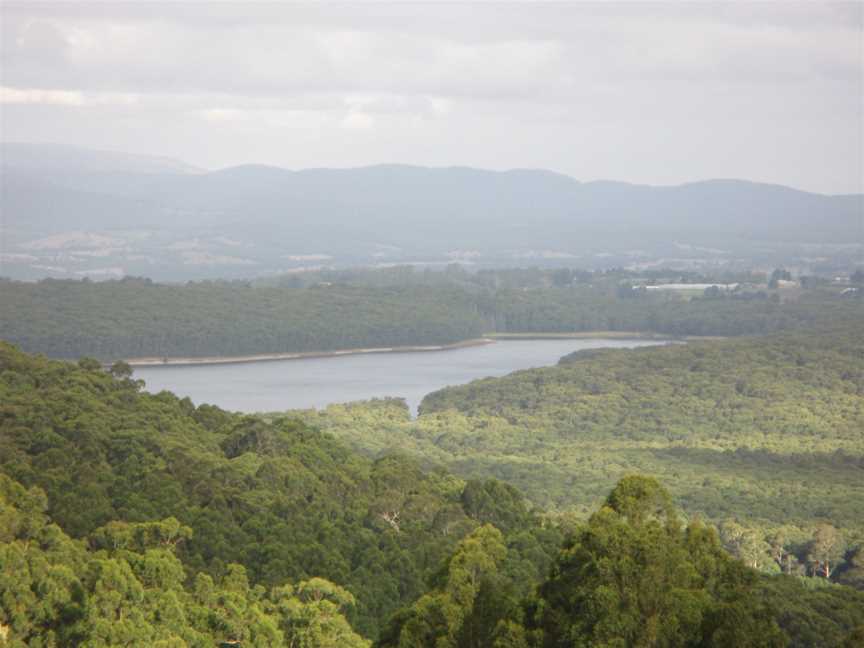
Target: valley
431,324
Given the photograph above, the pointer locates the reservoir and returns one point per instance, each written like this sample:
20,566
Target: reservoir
318,382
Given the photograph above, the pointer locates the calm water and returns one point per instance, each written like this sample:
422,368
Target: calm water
317,382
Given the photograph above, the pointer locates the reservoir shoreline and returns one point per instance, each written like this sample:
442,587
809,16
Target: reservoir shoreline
322,380
580,335
299,355
488,338
601,335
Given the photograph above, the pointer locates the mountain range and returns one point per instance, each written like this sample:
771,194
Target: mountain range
70,212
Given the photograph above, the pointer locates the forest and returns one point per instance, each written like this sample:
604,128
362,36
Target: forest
138,519
759,435
474,324
333,310
136,317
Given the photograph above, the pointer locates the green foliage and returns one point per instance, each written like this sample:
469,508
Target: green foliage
763,430
135,318
813,612
342,310
41,596
312,615
633,577
135,519
140,476
53,592
464,610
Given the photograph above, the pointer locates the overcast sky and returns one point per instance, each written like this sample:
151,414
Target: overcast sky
641,92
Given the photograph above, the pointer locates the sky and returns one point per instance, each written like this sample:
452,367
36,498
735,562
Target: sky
655,93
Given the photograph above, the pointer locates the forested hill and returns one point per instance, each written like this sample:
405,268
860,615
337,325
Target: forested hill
284,501
132,318
767,428
762,436
61,206
136,519
136,317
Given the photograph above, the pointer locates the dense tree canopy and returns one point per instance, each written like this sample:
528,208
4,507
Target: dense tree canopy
135,519
633,576
135,317
138,318
285,501
125,586
733,425
761,436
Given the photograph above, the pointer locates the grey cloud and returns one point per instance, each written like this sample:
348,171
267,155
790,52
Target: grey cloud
658,92
472,48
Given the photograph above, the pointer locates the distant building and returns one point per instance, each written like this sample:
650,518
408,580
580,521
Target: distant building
787,283
694,286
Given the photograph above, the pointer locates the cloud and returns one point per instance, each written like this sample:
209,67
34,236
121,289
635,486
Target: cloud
478,58
222,114
36,96
652,92
358,121
65,97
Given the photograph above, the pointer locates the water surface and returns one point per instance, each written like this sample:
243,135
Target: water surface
318,382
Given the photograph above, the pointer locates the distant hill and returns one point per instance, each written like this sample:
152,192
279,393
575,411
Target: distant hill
59,158
395,213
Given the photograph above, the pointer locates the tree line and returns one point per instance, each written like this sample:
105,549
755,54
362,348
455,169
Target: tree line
135,317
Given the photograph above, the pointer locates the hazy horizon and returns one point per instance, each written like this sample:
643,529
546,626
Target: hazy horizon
200,169
654,93
418,324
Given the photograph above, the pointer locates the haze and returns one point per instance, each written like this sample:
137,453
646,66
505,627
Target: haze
645,93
